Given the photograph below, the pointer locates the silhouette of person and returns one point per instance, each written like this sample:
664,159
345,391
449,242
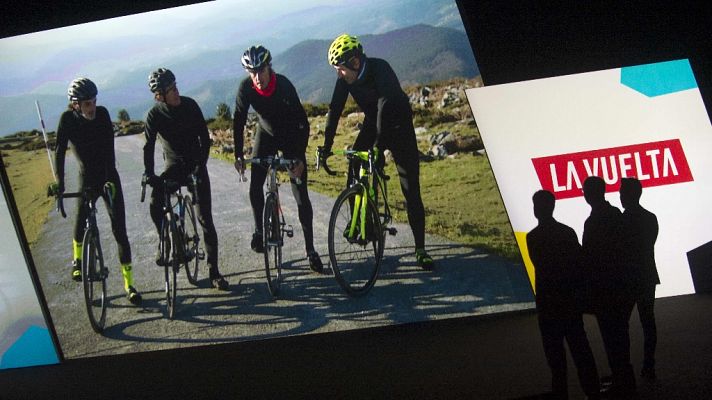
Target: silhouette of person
611,284
556,254
641,232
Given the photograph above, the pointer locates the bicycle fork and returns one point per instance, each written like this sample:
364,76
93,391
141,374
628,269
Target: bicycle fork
359,216
284,229
192,242
95,275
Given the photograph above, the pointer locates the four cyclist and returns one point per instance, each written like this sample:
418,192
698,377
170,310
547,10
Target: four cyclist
178,123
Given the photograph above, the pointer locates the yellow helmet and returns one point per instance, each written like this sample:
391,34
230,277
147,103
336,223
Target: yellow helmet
343,48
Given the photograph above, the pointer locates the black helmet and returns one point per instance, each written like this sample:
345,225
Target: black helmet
81,89
256,57
160,80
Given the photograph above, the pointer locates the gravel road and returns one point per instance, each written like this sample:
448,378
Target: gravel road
465,281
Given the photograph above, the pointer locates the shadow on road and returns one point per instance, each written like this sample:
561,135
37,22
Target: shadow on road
465,282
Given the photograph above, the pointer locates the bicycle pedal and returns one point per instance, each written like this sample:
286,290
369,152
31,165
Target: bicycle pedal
103,274
392,231
289,231
201,255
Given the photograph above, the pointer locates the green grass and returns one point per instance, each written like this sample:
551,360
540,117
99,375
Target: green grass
29,174
461,199
460,196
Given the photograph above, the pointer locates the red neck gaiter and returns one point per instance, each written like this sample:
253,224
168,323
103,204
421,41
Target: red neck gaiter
271,86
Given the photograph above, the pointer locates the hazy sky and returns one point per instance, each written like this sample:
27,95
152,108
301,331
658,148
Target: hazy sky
167,23
208,37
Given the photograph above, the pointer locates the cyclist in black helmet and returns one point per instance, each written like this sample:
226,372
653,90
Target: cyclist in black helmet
387,123
283,125
88,127
179,123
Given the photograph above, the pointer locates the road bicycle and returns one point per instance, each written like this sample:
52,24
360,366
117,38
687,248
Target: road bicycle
359,222
178,240
94,273
274,228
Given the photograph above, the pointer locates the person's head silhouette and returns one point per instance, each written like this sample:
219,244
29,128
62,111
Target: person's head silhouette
630,192
543,204
594,190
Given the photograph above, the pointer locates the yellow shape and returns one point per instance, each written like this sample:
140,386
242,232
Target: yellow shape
522,242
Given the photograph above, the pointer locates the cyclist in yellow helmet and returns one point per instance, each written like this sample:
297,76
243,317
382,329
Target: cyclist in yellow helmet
387,123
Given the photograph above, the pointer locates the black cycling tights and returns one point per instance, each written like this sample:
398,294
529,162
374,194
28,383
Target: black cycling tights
203,209
404,148
117,214
301,194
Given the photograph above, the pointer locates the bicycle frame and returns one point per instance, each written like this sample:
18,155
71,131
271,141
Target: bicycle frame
173,235
92,253
357,227
372,179
274,226
272,164
172,189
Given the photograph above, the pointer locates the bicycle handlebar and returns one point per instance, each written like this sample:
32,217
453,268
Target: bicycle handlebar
169,185
60,203
275,162
322,156
61,196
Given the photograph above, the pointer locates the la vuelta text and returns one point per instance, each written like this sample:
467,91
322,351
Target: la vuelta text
654,164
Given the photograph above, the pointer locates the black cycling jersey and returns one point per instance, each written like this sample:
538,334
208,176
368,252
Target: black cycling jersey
186,145
283,125
92,144
281,115
183,134
379,95
388,124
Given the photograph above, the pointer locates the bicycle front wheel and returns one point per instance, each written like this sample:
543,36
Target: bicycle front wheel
272,240
355,255
168,252
191,241
94,280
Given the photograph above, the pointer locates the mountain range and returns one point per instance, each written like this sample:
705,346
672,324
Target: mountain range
419,54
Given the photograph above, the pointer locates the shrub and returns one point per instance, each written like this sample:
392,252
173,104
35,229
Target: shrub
132,128
123,116
223,112
219,123
316,110
350,107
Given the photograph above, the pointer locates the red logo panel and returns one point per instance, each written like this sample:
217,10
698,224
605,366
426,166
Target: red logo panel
654,164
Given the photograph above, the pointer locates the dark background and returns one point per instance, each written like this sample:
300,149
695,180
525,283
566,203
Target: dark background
491,357
513,40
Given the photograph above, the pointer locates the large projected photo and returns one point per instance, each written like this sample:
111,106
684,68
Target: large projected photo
478,269
646,122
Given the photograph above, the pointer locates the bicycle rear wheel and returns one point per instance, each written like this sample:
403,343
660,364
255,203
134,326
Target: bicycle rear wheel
355,255
191,241
168,251
94,280
272,240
